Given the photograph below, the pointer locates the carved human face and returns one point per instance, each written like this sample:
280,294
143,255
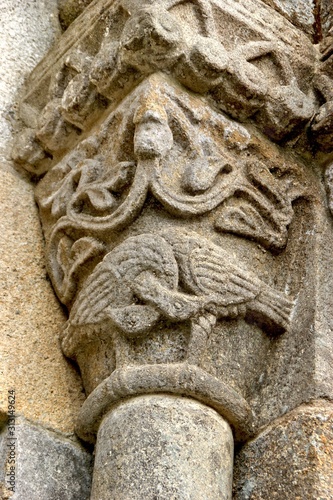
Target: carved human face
153,137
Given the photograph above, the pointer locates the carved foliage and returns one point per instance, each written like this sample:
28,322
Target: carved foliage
113,205
153,39
158,142
73,105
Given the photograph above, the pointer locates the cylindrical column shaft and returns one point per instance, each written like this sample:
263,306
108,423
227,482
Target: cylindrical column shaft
163,447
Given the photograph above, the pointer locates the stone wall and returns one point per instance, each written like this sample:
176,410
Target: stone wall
48,390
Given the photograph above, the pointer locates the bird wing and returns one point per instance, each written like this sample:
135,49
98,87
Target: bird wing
111,283
214,275
100,291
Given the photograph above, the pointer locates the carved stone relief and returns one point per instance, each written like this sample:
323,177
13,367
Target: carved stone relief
174,233
322,123
266,78
155,196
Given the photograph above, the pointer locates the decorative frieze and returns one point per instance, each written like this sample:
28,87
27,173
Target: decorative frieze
257,69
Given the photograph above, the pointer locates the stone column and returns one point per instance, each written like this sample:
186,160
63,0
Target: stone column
164,447
179,147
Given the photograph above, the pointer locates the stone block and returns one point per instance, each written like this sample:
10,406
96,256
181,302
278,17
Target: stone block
48,389
47,465
292,458
298,12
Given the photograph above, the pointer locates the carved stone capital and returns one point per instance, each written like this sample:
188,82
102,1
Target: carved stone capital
141,220
180,204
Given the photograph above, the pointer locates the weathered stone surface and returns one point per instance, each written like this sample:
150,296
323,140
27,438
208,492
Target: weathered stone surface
321,131
163,447
193,252
326,13
300,12
69,10
48,388
299,367
183,379
27,31
47,467
162,274
292,458
266,78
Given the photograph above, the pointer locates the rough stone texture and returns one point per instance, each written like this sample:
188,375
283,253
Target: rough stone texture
260,70
30,318
292,458
163,447
48,467
299,366
162,274
48,389
27,31
185,214
326,13
69,10
322,124
314,17
299,12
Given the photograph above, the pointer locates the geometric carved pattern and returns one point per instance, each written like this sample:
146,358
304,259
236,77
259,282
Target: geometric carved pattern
266,78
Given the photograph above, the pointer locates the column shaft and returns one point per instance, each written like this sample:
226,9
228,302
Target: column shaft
164,447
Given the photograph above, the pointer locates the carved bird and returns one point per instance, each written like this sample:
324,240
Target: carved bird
148,269
209,271
142,268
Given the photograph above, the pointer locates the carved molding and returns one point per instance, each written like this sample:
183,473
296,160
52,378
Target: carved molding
185,379
265,78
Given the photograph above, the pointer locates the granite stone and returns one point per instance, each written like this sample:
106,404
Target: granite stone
163,447
182,157
47,465
291,458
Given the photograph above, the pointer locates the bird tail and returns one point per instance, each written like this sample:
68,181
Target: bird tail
272,310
